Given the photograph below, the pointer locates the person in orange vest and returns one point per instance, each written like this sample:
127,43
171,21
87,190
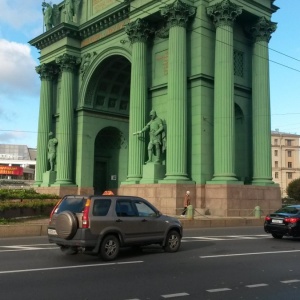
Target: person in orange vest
186,203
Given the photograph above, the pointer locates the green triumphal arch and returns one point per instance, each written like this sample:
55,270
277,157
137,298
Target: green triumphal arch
153,98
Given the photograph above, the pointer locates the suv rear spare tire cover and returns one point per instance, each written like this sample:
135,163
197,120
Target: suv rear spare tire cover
66,225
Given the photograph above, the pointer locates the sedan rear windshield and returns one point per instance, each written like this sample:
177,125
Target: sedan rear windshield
289,210
73,204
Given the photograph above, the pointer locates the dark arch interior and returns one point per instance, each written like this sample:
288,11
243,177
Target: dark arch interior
112,91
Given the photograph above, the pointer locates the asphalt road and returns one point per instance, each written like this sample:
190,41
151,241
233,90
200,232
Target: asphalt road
213,264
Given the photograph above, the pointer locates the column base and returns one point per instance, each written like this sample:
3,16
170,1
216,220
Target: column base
229,178
64,183
176,179
264,182
224,181
132,180
152,173
49,178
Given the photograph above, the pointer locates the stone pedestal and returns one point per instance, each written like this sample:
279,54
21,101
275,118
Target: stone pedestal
152,173
49,177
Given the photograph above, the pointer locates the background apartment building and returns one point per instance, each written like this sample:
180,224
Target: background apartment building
285,158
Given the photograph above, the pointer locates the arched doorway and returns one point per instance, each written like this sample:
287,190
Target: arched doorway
109,160
106,103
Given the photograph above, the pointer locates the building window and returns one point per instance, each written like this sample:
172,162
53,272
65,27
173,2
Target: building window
290,165
276,152
290,175
276,164
276,141
238,61
289,153
276,174
288,142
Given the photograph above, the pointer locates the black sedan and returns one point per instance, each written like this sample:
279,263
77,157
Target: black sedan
285,221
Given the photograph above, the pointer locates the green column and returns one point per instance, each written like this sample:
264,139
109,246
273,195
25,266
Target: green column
177,15
65,133
223,15
46,73
261,114
138,33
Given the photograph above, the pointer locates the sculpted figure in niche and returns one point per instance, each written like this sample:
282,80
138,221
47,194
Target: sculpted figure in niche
52,151
156,135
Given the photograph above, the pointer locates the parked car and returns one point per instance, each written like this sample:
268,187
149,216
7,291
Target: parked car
284,222
102,224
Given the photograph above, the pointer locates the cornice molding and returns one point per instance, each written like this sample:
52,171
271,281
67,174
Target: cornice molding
97,24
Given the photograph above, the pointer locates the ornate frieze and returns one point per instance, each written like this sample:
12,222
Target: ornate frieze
46,71
138,31
177,13
224,13
263,29
86,61
67,62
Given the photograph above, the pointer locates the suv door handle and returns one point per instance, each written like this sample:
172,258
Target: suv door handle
119,220
144,220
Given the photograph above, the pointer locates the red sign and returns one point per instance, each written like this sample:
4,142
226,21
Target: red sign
10,170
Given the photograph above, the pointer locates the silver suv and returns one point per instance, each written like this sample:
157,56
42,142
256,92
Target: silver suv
103,224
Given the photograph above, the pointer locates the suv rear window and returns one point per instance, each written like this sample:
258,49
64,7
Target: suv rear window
101,207
73,204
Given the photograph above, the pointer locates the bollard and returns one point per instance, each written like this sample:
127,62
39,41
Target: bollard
257,212
190,212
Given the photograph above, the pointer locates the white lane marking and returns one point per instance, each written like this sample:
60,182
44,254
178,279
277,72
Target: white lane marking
33,249
175,295
26,248
30,245
290,281
256,285
67,267
245,254
218,290
225,238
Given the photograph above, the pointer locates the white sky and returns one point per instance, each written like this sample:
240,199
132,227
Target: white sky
21,21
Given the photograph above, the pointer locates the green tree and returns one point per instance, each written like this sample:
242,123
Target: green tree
293,189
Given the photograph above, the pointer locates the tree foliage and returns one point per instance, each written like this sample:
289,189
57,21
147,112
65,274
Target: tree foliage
293,189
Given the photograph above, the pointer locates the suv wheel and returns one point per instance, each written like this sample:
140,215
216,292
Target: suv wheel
109,248
66,225
173,241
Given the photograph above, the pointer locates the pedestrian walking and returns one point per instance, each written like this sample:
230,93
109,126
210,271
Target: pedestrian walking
186,203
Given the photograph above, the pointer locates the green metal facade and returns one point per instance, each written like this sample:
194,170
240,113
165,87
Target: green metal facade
201,65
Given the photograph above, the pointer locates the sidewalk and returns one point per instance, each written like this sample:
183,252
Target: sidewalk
39,227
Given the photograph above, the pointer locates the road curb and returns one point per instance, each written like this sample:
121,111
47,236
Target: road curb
25,229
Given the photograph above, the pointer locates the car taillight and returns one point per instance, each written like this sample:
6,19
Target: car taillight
54,209
85,215
291,220
268,218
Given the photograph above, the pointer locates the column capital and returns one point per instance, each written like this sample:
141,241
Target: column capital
224,13
138,31
67,62
46,71
178,13
262,30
